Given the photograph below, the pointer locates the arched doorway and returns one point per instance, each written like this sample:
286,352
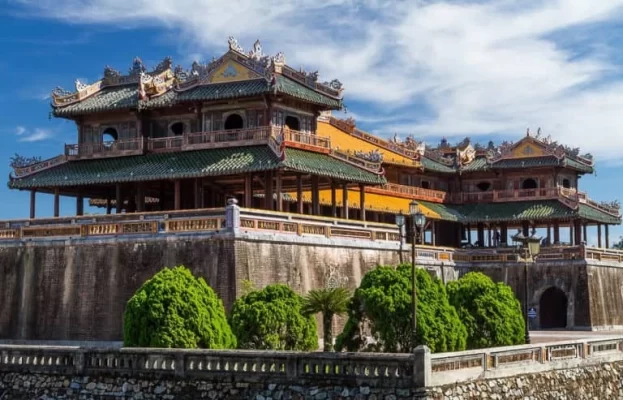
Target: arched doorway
529,184
234,121
553,309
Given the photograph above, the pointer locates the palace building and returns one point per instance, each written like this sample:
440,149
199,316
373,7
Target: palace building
246,125
163,152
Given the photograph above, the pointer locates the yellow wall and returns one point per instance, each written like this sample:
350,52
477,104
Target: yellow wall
374,202
528,149
345,142
231,71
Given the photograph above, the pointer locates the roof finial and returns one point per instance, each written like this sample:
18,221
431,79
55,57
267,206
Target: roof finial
528,132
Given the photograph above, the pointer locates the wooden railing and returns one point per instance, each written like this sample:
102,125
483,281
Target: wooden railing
494,196
302,138
105,149
226,138
508,361
547,253
411,192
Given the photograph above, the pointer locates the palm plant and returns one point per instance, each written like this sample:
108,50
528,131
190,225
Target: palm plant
329,302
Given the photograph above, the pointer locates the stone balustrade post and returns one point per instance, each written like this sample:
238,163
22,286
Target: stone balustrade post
79,362
292,365
232,215
180,365
422,367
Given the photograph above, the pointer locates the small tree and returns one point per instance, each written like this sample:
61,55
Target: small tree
175,309
490,311
328,302
272,319
382,303
618,245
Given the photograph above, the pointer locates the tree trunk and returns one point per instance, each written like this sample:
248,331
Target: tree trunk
327,326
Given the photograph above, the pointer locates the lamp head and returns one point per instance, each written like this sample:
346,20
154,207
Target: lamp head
400,219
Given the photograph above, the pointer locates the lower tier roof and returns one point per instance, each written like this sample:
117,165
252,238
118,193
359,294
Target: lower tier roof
192,164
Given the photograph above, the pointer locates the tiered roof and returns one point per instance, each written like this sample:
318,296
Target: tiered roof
236,74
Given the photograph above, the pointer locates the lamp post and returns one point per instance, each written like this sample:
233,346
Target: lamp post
530,249
400,222
417,223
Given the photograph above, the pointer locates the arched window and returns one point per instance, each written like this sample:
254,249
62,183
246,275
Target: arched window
234,121
177,128
293,123
484,186
109,135
529,184
566,183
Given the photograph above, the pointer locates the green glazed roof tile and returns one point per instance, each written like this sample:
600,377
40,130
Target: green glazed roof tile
479,164
300,91
548,161
593,214
446,212
432,165
520,210
217,91
324,165
154,167
111,98
571,163
191,164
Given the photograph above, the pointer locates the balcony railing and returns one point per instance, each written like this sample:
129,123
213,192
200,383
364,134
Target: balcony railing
225,138
20,172
494,196
117,148
302,138
411,192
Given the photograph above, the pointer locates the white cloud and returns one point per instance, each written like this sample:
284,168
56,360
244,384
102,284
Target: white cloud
35,135
487,67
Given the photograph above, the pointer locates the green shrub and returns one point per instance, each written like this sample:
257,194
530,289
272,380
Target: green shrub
382,303
174,309
272,319
490,311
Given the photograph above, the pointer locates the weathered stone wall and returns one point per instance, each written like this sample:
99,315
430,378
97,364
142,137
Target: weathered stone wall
601,382
591,382
78,291
605,288
15,386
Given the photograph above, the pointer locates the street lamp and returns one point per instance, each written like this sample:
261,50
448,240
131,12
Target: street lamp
530,249
400,222
417,223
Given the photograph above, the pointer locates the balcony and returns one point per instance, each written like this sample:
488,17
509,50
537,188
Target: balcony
118,148
411,192
495,196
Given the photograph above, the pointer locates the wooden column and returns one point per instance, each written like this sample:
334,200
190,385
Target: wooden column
248,190
268,190
469,233
299,194
345,201
79,204
571,234
56,202
481,234
177,200
526,228
315,193
118,199
433,232
108,206
33,196
607,236
278,179
556,233
161,195
139,198
333,200
362,201
578,232
504,233
197,193
490,243
599,235
584,233
549,233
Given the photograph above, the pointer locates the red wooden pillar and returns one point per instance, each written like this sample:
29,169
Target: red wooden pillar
33,196
56,202
299,194
178,195
345,201
362,201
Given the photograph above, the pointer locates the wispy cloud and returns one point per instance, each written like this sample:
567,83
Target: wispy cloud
34,135
426,67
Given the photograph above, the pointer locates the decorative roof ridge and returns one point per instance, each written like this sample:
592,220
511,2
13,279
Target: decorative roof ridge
263,64
152,83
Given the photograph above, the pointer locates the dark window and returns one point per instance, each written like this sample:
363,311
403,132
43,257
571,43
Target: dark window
484,186
177,128
293,123
425,185
553,309
529,184
234,121
110,135
566,183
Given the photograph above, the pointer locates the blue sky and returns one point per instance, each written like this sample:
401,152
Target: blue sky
484,69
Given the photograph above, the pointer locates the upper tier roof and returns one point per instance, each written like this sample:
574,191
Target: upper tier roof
236,74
